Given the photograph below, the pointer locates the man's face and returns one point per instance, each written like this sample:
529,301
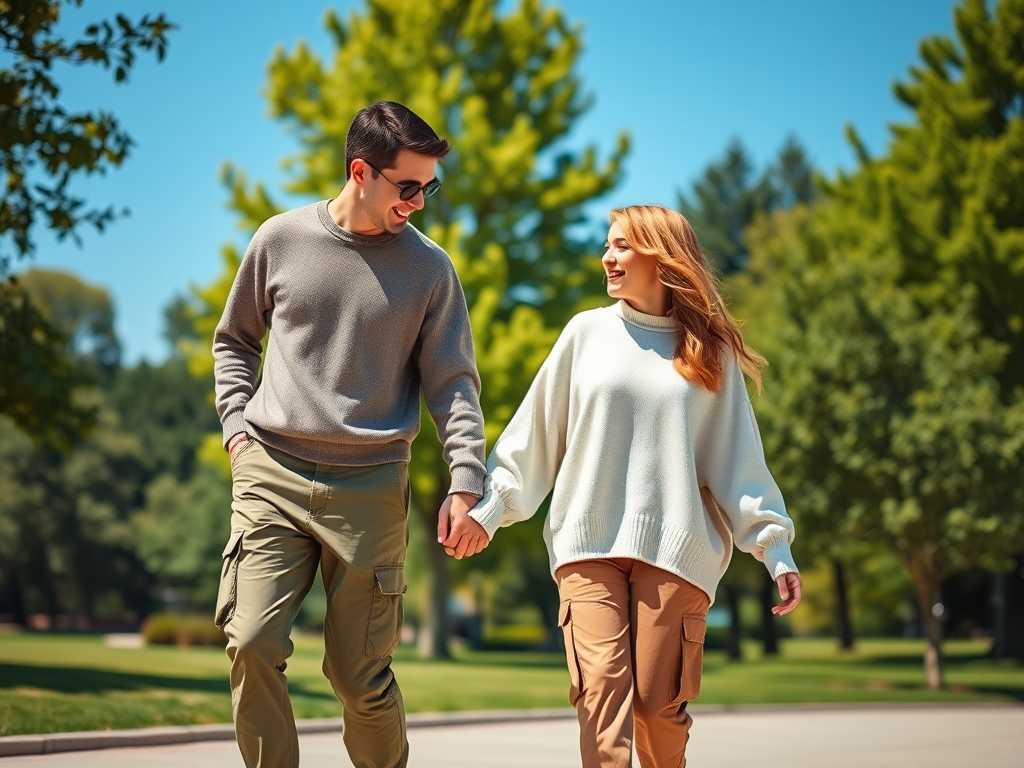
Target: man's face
382,205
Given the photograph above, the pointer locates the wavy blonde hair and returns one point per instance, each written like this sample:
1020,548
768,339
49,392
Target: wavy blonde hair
703,323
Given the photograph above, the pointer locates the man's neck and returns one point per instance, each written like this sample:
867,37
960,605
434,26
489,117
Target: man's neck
345,211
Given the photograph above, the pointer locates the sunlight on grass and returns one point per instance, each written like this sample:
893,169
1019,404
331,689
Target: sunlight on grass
54,683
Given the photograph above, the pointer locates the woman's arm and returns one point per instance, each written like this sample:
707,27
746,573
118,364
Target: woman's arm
521,469
731,464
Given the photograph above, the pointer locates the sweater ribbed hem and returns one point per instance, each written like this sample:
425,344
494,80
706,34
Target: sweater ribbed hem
667,547
341,454
232,425
778,559
490,512
467,480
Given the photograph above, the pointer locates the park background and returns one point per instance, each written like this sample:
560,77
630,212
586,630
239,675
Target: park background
872,238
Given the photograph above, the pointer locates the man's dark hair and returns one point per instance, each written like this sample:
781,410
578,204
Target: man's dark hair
379,131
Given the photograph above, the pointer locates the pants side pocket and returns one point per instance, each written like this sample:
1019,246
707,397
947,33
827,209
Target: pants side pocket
387,611
227,592
571,657
693,631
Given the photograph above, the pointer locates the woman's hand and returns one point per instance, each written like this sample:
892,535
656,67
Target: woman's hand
459,534
789,590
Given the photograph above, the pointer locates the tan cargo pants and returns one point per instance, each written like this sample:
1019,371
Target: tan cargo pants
288,515
634,642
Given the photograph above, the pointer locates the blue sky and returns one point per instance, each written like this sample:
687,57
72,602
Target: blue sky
682,77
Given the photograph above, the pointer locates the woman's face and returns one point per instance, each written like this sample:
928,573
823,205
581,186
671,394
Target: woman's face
632,276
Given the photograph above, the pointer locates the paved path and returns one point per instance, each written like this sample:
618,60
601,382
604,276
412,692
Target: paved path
930,737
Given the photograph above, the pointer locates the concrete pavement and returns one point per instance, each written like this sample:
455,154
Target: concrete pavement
880,737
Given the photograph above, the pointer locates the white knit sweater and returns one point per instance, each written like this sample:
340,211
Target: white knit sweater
644,464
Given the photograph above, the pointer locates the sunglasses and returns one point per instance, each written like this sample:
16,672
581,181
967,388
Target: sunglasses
407,192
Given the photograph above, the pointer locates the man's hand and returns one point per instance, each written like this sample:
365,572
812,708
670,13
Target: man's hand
459,534
235,443
789,590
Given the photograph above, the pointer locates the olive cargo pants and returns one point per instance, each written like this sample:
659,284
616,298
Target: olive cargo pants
288,516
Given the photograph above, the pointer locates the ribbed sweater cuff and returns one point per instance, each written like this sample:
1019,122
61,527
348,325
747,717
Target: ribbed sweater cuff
467,480
778,559
489,512
233,424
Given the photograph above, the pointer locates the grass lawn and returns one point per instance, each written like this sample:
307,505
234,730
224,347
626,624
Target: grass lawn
52,683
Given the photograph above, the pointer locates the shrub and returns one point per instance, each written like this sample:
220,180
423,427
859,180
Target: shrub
175,629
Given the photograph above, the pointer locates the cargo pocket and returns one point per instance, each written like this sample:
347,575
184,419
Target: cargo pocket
575,673
694,629
226,594
387,612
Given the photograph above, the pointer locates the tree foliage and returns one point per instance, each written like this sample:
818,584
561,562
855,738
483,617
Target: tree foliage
43,146
82,313
729,196
892,316
37,377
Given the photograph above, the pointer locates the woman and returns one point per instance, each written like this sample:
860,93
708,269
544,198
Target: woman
640,421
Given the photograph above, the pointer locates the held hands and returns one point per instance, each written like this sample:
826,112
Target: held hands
789,590
459,534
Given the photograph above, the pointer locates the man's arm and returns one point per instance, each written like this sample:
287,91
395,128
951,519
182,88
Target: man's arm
451,387
238,342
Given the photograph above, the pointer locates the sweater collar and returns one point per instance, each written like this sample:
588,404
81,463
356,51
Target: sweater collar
353,238
651,322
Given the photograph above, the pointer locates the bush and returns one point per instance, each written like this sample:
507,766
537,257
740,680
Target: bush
175,629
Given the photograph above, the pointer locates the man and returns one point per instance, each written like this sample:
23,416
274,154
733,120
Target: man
360,312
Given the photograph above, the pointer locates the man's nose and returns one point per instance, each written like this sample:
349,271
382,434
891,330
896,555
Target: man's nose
418,200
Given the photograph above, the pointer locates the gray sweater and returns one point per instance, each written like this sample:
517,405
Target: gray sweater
355,326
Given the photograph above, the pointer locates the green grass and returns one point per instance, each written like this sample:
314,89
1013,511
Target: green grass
52,683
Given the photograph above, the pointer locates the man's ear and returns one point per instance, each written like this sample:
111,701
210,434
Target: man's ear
357,170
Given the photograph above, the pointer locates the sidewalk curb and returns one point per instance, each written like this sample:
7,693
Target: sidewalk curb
50,743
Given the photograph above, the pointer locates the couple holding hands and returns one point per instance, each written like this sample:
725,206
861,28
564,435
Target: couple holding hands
639,422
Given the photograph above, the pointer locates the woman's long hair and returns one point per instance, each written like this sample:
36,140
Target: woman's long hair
703,324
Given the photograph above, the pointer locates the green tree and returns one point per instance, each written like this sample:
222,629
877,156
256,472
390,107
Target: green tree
67,543
43,148
894,322
82,313
37,377
181,531
65,515
885,419
729,195
501,88
918,259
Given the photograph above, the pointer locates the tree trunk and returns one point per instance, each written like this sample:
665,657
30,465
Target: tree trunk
998,616
926,587
432,641
18,599
732,644
1010,637
844,626
769,636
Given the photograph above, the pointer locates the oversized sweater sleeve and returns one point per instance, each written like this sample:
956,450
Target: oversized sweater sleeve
732,466
451,384
238,339
525,460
